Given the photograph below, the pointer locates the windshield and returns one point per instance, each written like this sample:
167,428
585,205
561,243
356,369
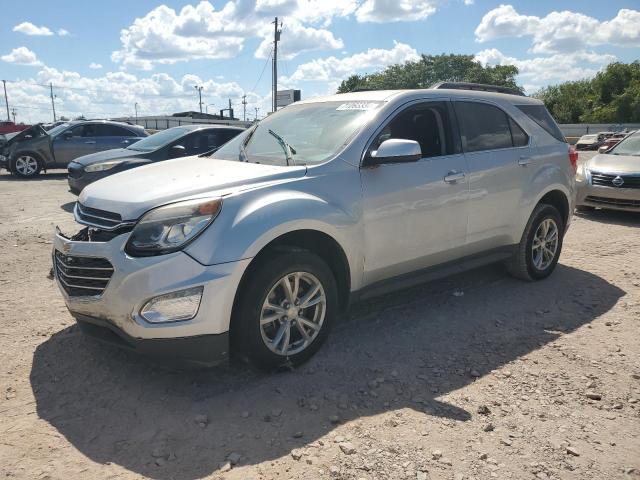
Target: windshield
312,133
160,139
56,130
628,146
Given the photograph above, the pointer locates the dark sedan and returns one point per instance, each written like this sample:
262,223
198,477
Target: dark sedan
38,148
171,143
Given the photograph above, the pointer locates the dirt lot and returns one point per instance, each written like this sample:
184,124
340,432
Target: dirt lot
474,377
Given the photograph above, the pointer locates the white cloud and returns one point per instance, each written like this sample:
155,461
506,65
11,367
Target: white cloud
63,32
113,94
381,11
95,66
201,31
298,39
29,28
551,69
21,56
469,2
560,31
333,68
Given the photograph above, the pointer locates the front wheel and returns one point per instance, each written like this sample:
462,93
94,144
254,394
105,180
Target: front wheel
286,310
537,254
26,165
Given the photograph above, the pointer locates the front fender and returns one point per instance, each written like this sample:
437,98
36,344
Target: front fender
249,221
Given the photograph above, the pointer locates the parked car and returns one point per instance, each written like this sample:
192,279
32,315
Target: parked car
172,143
36,149
611,180
590,142
612,141
326,201
10,127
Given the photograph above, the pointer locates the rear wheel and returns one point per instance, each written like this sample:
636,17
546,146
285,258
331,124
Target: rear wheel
26,165
286,310
537,254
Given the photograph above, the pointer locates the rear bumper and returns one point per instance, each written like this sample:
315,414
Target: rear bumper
200,350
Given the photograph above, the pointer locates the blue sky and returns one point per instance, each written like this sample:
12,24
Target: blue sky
153,52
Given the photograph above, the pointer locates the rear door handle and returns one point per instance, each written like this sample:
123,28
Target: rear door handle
453,177
524,161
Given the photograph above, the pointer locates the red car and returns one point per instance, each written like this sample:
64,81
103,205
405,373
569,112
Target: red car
612,141
10,127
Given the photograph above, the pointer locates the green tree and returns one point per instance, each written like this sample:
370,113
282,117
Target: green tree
430,69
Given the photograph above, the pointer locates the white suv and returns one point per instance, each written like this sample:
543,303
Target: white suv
259,247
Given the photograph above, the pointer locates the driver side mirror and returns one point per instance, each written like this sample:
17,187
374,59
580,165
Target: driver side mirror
177,151
395,150
603,149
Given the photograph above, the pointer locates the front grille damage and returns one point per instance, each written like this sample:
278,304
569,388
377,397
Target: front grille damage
82,276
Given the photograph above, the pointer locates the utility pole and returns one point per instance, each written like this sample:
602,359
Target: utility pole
135,105
199,89
6,100
230,110
244,108
276,38
53,105
256,109
13,111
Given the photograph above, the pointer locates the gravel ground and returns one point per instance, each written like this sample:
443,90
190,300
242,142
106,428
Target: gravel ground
473,377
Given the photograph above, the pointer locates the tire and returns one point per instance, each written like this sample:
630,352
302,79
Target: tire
256,343
584,208
26,165
527,264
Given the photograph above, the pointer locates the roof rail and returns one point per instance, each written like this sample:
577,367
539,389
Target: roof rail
477,86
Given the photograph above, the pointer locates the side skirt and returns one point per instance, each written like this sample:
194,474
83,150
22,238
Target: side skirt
429,274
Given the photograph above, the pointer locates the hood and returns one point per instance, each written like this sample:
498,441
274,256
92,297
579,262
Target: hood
116,153
36,131
615,164
134,192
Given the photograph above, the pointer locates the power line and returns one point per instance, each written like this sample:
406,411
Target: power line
264,67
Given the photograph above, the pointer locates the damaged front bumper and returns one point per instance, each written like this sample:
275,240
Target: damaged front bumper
105,290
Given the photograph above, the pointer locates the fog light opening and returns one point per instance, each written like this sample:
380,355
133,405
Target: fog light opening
173,307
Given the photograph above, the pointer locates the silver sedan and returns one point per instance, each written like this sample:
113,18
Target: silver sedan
611,180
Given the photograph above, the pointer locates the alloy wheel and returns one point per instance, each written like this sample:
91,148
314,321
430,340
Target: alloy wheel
293,313
26,165
545,244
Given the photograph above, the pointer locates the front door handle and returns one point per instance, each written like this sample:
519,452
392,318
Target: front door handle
524,161
90,142
454,177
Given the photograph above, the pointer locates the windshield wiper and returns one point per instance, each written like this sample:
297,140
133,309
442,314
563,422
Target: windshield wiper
289,151
243,145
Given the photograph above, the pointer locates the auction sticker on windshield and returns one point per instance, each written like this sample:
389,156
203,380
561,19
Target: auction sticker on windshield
362,106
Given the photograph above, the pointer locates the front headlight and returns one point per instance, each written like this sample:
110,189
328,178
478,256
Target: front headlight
101,167
170,228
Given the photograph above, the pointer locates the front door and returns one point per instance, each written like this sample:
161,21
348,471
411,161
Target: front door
415,214
73,143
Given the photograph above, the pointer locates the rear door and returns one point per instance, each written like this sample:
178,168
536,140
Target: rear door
112,136
415,214
74,142
500,159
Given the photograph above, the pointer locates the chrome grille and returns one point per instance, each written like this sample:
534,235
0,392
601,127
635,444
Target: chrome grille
98,218
82,276
606,180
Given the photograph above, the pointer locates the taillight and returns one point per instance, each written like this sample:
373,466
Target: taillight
573,158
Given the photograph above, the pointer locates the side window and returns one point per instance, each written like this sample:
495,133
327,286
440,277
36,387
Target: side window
427,123
76,131
482,127
520,138
112,131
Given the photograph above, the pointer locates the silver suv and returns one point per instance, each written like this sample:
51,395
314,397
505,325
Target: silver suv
259,247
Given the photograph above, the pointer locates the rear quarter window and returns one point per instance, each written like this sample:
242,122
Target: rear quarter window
540,115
